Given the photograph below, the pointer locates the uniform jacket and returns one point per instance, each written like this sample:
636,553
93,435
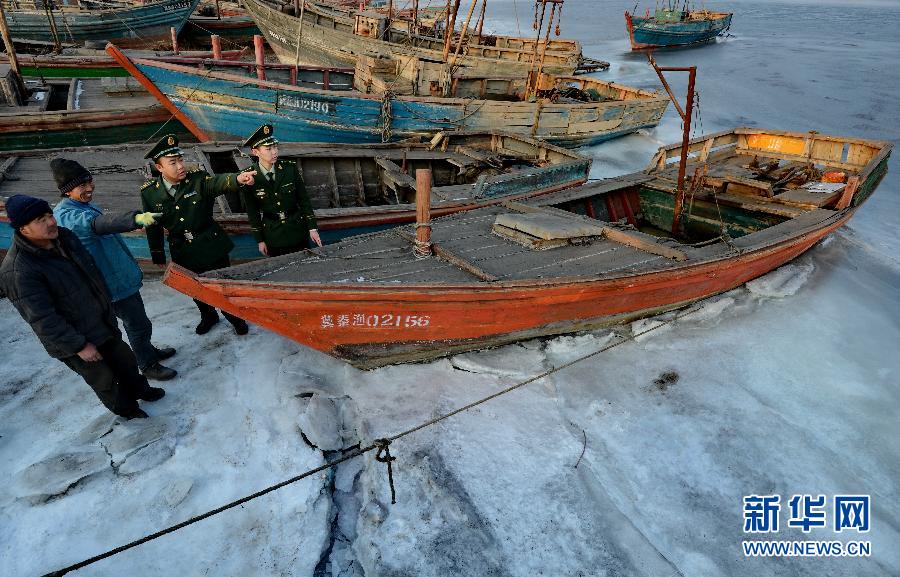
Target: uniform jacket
98,233
279,211
65,300
196,241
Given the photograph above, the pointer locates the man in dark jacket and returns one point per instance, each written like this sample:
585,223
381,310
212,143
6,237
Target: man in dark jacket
98,232
185,201
57,288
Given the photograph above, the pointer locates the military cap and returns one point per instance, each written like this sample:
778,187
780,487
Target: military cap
264,136
167,146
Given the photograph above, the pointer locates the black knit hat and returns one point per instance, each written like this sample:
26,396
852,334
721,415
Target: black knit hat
68,174
22,209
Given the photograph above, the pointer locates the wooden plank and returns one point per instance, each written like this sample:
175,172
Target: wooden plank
452,258
637,240
335,192
360,184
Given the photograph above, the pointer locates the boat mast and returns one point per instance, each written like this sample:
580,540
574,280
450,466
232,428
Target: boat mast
451,25
11,54
531,85
686,136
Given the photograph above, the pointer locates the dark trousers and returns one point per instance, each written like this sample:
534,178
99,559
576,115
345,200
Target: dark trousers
280,250
116,379
138,328
209,310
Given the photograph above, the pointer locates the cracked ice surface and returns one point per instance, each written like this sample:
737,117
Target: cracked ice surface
787,386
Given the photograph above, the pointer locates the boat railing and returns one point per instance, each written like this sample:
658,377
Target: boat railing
322,77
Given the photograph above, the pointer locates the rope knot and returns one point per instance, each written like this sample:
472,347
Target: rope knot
383,455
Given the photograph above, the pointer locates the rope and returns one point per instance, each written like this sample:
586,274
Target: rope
383,455
386,115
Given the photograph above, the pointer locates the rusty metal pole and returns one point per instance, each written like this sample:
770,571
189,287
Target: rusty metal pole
685,139
415,15
451,26
216,46
174,34
260,57
11,54
423,213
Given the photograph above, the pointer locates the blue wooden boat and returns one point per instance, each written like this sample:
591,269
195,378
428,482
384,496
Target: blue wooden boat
130,25
670,27
354,189
227,100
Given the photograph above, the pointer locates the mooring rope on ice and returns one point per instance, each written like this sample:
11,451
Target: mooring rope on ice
383,455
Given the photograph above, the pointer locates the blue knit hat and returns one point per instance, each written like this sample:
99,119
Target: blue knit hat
22,209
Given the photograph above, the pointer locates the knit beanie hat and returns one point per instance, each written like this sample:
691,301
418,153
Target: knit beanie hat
22,209
68,174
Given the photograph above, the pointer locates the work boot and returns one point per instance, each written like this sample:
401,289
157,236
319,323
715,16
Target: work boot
151,394
164,353
135,413
240,326
158,372
207,321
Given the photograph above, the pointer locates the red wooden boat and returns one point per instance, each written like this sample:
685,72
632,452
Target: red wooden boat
572,260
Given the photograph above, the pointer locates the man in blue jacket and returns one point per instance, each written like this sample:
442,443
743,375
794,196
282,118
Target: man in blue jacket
99,233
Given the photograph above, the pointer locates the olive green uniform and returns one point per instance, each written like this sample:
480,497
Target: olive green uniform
196,241
279,210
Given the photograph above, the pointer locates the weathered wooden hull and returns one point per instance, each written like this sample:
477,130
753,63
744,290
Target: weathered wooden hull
100,66
375,323
236,28
140,26
32,130
227,106
648,33
327,39
464,318
558,169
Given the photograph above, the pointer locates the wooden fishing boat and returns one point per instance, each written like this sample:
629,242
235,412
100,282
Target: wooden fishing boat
226,100
577,259
353,189
228,20
89,111
672,27
332,36
89,63
130,25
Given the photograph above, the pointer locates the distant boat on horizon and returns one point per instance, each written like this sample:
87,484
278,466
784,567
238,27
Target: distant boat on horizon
668,27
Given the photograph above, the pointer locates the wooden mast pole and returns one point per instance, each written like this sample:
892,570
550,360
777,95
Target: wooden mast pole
481,21
462,35
686,116
451,25
11,54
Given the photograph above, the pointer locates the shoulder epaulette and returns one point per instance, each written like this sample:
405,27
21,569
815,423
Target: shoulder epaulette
248,169
194,170
148,183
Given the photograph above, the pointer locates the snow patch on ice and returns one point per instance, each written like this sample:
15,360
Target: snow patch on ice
320,423
58,473
782,282
510,361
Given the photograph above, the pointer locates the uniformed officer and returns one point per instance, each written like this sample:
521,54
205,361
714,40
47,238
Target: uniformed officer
185,201
278,208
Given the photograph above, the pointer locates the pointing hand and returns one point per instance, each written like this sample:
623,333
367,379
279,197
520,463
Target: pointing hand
246,178
146,218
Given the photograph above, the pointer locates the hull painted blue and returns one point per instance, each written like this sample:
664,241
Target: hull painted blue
302,116
648,32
